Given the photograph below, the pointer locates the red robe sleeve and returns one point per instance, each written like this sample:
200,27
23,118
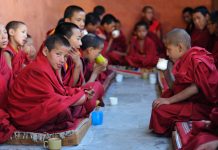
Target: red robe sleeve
206,80
6,128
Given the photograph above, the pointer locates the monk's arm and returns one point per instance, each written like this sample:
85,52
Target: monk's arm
8,59
76,73
109,44
185,94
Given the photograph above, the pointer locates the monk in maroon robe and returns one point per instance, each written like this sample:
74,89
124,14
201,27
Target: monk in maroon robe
39,88
6,129
14,55
142,50
200,35
154,25
213,29
195,89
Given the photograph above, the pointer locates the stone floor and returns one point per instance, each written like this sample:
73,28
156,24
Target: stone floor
125,125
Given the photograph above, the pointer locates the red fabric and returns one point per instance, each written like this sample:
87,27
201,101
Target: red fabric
201,38
5,80
155,26
118,45
196,66
204,135
215,52
68,79
201,138
38,90
6,129
145,58
159,44
19,59
183,129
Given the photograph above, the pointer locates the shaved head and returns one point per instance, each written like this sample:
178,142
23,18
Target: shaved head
178,36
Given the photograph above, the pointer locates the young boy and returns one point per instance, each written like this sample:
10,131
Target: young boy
29,48
187,17
92,22
142,49
195,90
59,106
213,29
153,24
118,48
200,35
15,57
5,71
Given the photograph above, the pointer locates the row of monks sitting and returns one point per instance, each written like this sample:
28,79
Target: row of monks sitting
62,82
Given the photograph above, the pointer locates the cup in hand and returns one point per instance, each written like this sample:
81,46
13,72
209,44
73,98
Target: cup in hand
162,64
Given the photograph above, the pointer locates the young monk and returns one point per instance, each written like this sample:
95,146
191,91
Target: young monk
205,136
195,89
200,35
5,71
118,48
73,14
14,55
142,49
187,17
59,106
108,24
213,29
91,47
153,24
73,75
99,11
29,48
92,22
72,71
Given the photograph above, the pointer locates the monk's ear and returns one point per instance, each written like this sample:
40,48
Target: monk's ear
90,49
67,20
11,32
180,47
45,51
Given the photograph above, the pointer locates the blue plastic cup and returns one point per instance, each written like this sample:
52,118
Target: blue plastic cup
97,118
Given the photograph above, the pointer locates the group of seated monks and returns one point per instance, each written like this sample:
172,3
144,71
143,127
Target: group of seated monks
47,90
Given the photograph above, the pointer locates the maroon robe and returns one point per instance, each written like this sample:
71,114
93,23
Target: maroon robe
201,38
38,89
6,129
195,66
145,58
118,46
204,135
215,52
19,59
5,80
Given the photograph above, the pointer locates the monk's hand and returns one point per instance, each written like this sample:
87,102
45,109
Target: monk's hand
213,145
160,101
75,55
98,68
90,93
207,123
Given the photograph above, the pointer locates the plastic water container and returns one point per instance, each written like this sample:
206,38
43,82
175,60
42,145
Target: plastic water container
97,117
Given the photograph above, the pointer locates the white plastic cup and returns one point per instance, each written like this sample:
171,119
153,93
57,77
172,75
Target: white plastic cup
84,32
162,64
115,33
113,101
119,78
152,78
